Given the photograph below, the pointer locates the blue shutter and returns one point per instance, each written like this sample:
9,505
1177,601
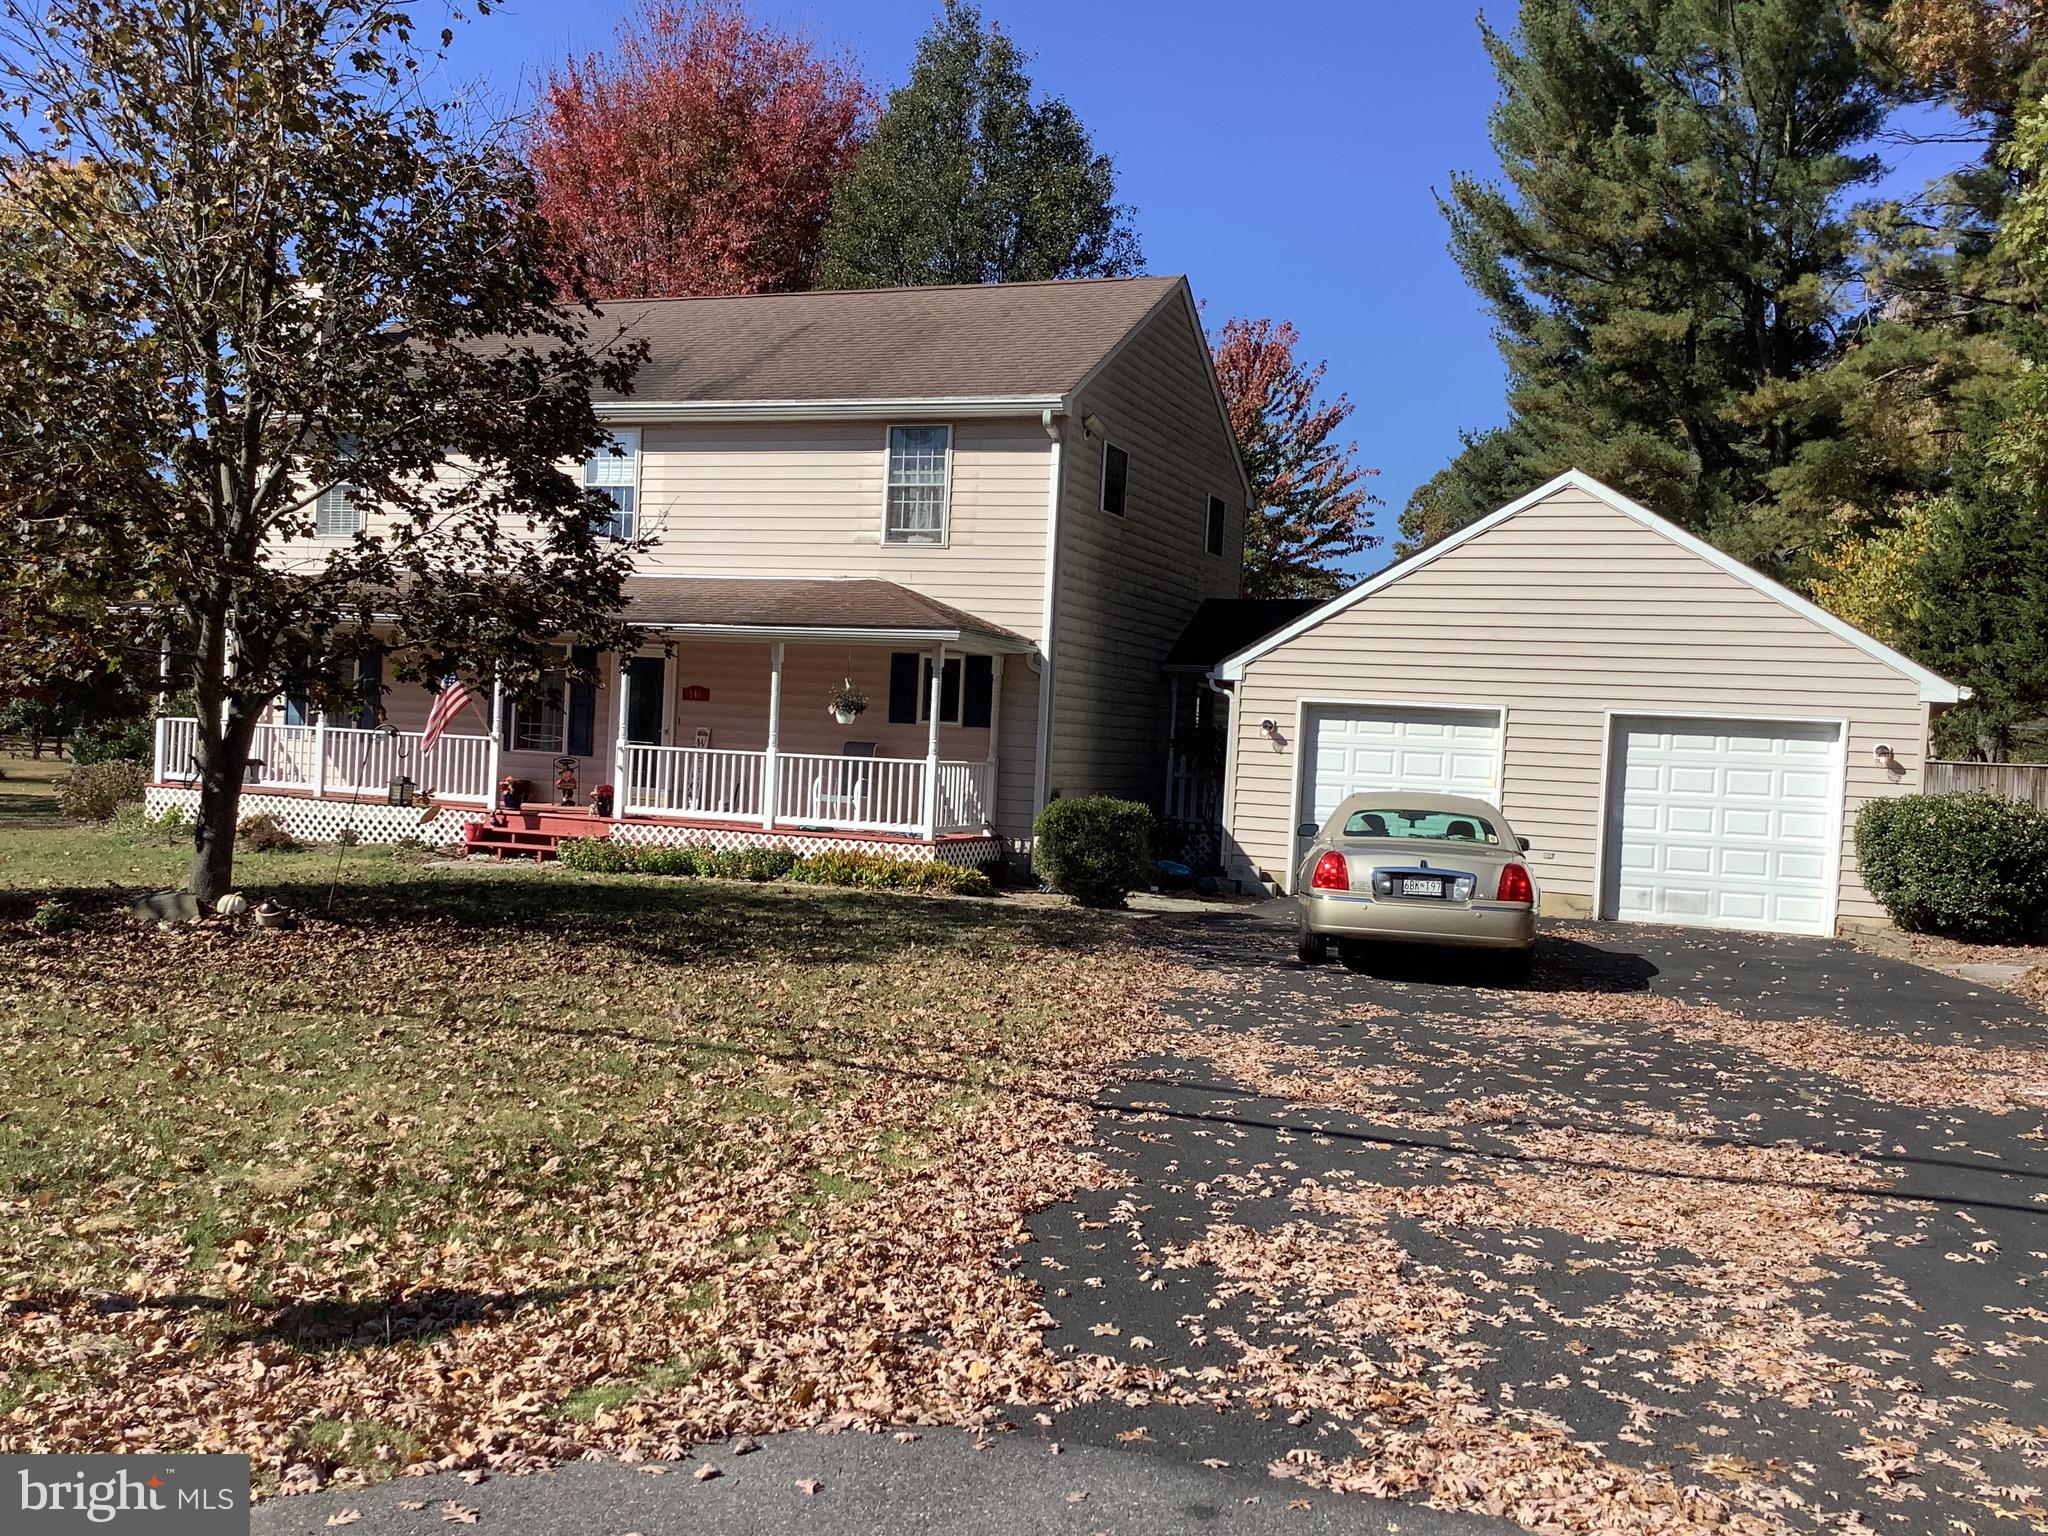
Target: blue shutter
903,675
370,672
582,703
977,707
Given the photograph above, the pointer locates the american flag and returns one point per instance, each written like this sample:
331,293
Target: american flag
448,703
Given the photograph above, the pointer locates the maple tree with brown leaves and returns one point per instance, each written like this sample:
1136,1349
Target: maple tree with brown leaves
1309,508
697,155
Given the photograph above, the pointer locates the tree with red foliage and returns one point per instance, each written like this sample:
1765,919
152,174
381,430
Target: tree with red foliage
696,156
1309,506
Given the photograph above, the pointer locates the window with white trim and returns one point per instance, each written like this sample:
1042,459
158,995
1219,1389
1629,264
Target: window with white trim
541,724
337,514
1116,479
616,472
915,512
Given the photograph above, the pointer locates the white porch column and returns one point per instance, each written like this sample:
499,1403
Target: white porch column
619,681
929,817
497,739
320,754
995,729
771,766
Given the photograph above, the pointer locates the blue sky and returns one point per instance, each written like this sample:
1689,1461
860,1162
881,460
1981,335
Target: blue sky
1284,156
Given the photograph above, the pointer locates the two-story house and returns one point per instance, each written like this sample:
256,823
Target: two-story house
991,511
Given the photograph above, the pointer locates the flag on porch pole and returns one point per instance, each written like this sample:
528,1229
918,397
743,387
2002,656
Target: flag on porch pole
448,703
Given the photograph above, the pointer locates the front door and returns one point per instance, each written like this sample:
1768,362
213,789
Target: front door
644,700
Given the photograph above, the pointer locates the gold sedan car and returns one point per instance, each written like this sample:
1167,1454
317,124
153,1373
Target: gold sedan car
1405,868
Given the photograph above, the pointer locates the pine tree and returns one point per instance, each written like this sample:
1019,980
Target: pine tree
1669,257
967,180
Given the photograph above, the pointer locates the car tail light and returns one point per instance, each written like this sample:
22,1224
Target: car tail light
1514,884
1332,873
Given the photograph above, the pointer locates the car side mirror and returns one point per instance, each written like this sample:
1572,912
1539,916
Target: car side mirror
1306,829
1524,842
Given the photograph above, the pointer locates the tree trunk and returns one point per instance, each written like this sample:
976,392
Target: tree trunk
223,762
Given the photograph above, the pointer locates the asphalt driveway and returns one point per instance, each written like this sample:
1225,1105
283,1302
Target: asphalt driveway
1693,1233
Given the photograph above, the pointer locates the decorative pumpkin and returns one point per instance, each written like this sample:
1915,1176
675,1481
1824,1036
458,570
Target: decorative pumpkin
234,904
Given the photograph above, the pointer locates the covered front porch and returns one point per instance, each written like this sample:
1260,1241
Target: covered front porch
721,722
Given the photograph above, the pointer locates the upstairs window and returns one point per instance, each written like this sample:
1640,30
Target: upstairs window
915,511
1214,541
1116,478
337,514
617,475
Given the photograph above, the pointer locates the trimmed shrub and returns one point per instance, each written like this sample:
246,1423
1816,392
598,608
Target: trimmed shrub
768,863
1094,848
265,834
594,855
667,861
875,872
95,791
1966,866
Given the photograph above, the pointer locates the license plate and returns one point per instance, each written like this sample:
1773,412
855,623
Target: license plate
1412,887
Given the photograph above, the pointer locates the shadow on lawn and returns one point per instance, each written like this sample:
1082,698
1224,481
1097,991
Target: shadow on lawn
1128,1103
334,1324
674,921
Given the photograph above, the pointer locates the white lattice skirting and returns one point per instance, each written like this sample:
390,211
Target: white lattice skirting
969,852
323,821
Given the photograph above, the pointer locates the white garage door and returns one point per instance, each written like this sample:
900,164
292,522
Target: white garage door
1354,748
1723,824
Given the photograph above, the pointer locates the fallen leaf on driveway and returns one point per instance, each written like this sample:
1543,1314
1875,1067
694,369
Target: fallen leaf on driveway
345,1517
453,1513
705,1473
808,1486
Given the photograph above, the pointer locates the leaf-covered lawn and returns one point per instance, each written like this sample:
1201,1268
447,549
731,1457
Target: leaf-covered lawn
501,1165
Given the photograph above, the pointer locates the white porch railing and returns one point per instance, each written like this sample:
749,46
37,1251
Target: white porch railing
691,781
850,794
339,760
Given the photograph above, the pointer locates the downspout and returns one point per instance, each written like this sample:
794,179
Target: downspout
1052,423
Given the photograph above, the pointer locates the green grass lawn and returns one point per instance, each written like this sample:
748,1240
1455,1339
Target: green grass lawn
497,1163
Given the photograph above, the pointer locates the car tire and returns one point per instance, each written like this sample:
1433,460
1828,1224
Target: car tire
1311,948
1513,966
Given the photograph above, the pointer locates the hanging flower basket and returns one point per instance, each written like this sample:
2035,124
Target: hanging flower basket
848,702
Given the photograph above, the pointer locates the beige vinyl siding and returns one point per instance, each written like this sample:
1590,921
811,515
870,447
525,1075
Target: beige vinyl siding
1562,613
1128,585
805,499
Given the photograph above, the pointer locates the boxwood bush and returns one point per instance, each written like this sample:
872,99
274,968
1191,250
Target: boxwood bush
1094,848
1966,866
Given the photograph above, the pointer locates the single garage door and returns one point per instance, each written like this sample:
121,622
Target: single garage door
1354,748
1723,824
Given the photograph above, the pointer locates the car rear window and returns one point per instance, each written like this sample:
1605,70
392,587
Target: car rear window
1436,826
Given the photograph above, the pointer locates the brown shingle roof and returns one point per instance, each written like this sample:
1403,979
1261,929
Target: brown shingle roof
773,604
992,340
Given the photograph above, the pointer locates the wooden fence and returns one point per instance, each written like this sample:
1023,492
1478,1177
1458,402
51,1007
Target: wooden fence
2024,782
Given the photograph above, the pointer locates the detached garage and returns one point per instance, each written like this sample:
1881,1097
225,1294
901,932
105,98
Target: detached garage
1681,739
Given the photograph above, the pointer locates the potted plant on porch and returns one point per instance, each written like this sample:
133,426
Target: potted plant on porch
848,702
511,793
601,800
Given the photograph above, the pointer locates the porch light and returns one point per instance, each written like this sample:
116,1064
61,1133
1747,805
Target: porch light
401,790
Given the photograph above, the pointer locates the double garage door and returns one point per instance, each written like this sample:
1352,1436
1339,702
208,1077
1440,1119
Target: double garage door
1719,824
